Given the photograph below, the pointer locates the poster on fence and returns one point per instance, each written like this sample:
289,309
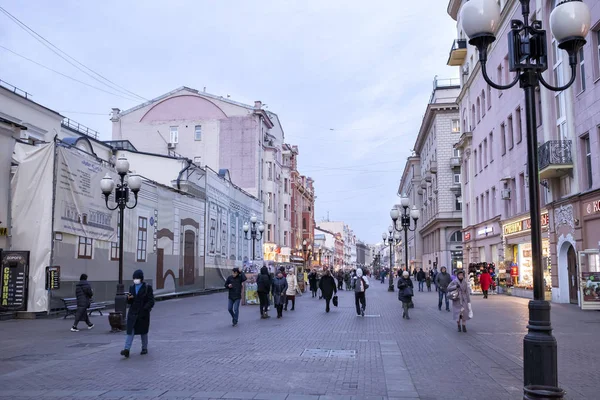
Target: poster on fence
80,208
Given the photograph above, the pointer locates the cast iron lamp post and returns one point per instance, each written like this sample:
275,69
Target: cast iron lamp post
405,223
394,238
107,184
528,58
306,251
253,232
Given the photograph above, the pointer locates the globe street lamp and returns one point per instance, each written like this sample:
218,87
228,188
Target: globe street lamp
107,184
394,238
528,58
306,251
253,232
405,217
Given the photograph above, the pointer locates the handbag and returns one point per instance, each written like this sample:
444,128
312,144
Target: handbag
408,292
335,301
453,295
470,311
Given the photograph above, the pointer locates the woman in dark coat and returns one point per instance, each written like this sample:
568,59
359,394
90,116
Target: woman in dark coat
312,281
141,300
264,283
328,288
405,290
279,287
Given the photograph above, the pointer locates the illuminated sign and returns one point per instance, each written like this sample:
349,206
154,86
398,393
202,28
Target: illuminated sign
524,225
593,207
485,231
467,236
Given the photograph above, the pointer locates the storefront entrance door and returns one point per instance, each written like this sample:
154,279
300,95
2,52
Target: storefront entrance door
572,265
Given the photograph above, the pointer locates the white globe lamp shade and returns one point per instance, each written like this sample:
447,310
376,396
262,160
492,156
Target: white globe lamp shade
394,213
135,182
261,228
384,236
122,165
405,201
253,219
246,227
415,213
397,235
107,184
570,20
304,243
390,229
480,17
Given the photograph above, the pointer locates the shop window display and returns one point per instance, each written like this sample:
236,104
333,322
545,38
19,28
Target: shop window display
475,271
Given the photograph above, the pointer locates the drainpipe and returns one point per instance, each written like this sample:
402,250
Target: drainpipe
182,171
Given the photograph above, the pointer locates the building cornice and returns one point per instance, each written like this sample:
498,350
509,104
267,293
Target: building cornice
432,110
453,8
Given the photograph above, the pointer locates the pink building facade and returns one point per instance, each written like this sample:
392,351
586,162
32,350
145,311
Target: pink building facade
496,209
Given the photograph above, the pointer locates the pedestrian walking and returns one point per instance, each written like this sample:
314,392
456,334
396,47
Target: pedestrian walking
279,288
234,283
312,282
485,280
328,288
434,273
264,283
361,284
421,279
141,301
405,293
290,293
461,300
442,280
428,282
340,280
84,294
348,280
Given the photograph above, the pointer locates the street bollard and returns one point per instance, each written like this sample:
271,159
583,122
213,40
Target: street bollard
537,392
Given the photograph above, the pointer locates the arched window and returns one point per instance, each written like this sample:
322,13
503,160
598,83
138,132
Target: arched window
456,237
472,117
478,110
464,120
482,103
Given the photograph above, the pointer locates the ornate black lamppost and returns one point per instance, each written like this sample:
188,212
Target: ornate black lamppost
528,59
393,239
253,231
107,184
306,251
405,223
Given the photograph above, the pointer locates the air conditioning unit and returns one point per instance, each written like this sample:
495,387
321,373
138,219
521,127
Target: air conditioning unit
172,145
505,194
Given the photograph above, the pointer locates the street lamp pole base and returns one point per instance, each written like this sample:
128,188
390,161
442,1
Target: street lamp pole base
540,365
117,318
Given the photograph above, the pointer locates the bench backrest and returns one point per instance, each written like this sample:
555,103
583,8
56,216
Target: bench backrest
70,301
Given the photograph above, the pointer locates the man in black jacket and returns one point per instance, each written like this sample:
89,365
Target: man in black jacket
234,284
84,294
264,283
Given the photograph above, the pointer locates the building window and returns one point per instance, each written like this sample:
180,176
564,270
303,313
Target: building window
475,159
503,137
482,103
114,246
456,153
456,176
499,76
581,71
285,185
270,201
455,126
285,212
198,132
458,203
487,204
270,170
511,141
85,247
456,237
587,150
477,209
269,233
480,158
485,152
519,125
493,201
491,153
142,239
174,138
304,227
489,97
478,110
285,238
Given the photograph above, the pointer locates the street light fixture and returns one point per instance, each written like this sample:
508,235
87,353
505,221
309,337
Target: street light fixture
528,58
107,185
405,217
391,240
253,232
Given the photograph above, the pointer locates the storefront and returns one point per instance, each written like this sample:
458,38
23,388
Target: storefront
589,258
518,262
482,243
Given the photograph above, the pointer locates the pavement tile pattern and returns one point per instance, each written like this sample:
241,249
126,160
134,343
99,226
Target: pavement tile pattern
195,353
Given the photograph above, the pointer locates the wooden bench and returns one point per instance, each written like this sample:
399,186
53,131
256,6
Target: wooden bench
71,307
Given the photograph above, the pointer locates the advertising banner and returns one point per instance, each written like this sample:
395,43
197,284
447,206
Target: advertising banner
591,286
80,208
14,276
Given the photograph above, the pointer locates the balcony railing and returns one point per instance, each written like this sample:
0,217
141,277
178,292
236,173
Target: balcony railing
458,53
555,158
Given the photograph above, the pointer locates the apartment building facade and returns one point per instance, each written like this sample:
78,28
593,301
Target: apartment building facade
495,184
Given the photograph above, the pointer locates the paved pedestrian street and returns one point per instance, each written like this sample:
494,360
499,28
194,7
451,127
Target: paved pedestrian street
195,353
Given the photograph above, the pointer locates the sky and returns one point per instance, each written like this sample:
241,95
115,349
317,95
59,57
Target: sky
349,80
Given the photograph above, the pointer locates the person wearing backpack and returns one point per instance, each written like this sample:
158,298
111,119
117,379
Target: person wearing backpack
360,286
405,292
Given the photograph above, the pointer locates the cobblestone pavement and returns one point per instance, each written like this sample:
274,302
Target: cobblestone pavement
195,353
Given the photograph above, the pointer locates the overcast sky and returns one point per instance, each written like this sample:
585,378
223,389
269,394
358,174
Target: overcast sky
350,80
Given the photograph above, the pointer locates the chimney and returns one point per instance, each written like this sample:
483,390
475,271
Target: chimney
114,117
204,89
258,104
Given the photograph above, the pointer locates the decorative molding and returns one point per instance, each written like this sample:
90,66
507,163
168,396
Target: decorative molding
564,216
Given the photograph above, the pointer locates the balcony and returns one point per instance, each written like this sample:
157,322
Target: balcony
433,167
458,53
455,162
427,177
423,184
555,159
